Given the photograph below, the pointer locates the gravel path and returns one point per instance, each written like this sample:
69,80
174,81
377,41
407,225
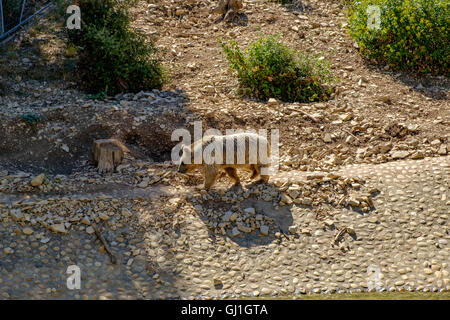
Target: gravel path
401,243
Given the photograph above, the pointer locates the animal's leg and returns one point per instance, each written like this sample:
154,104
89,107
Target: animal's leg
210,176
264,177
233,175
255,171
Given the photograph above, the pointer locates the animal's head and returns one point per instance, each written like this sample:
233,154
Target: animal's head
185,164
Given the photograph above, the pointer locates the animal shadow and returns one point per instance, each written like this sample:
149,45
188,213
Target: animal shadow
244,204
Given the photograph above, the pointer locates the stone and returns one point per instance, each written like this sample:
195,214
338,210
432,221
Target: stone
58,228
399,283
244,228
329,222
272,102
306,231
266,291
400,154
285,198
346,116
27,231
103,216
294,191
126,213
353,202
229,216
144,183
235,232
442,149
435,142
264,230
38,180
250,211
327,138
306,201
90,230
16,214
292,229
210,89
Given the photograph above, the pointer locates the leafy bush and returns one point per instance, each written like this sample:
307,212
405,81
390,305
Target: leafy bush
112,57
413,34
32,118
272,70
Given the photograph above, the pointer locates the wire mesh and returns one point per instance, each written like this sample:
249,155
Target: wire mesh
16,13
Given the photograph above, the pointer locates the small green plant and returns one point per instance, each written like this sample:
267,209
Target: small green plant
272,70
112,57
32,118
56,181
99,96
412,35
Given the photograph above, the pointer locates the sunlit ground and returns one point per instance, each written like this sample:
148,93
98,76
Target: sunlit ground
368,296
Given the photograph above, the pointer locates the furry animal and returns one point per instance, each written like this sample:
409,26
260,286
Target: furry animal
228,8
245,154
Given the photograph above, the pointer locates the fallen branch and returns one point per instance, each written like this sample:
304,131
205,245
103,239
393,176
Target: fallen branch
105,245
346,131
341,233
303,113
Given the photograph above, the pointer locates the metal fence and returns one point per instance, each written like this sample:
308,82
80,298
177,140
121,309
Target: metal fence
16,13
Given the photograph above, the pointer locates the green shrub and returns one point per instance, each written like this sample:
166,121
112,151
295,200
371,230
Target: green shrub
32,118
113,58
272,70
413,34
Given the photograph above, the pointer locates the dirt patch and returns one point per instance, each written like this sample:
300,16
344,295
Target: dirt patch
60,140
376,115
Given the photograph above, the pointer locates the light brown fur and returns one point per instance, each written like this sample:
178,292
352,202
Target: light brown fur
212,171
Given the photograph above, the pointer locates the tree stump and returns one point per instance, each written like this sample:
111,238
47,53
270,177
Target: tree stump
108,154
228,8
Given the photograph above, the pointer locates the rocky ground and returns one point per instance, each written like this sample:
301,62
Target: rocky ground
362,186
173,242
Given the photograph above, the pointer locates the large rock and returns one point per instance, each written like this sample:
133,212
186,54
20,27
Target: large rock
58,228
38,180
400,154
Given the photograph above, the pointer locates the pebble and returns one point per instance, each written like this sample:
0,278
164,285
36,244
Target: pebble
27,231
59,228
264,230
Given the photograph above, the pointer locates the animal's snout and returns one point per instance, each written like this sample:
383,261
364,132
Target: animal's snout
182,168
